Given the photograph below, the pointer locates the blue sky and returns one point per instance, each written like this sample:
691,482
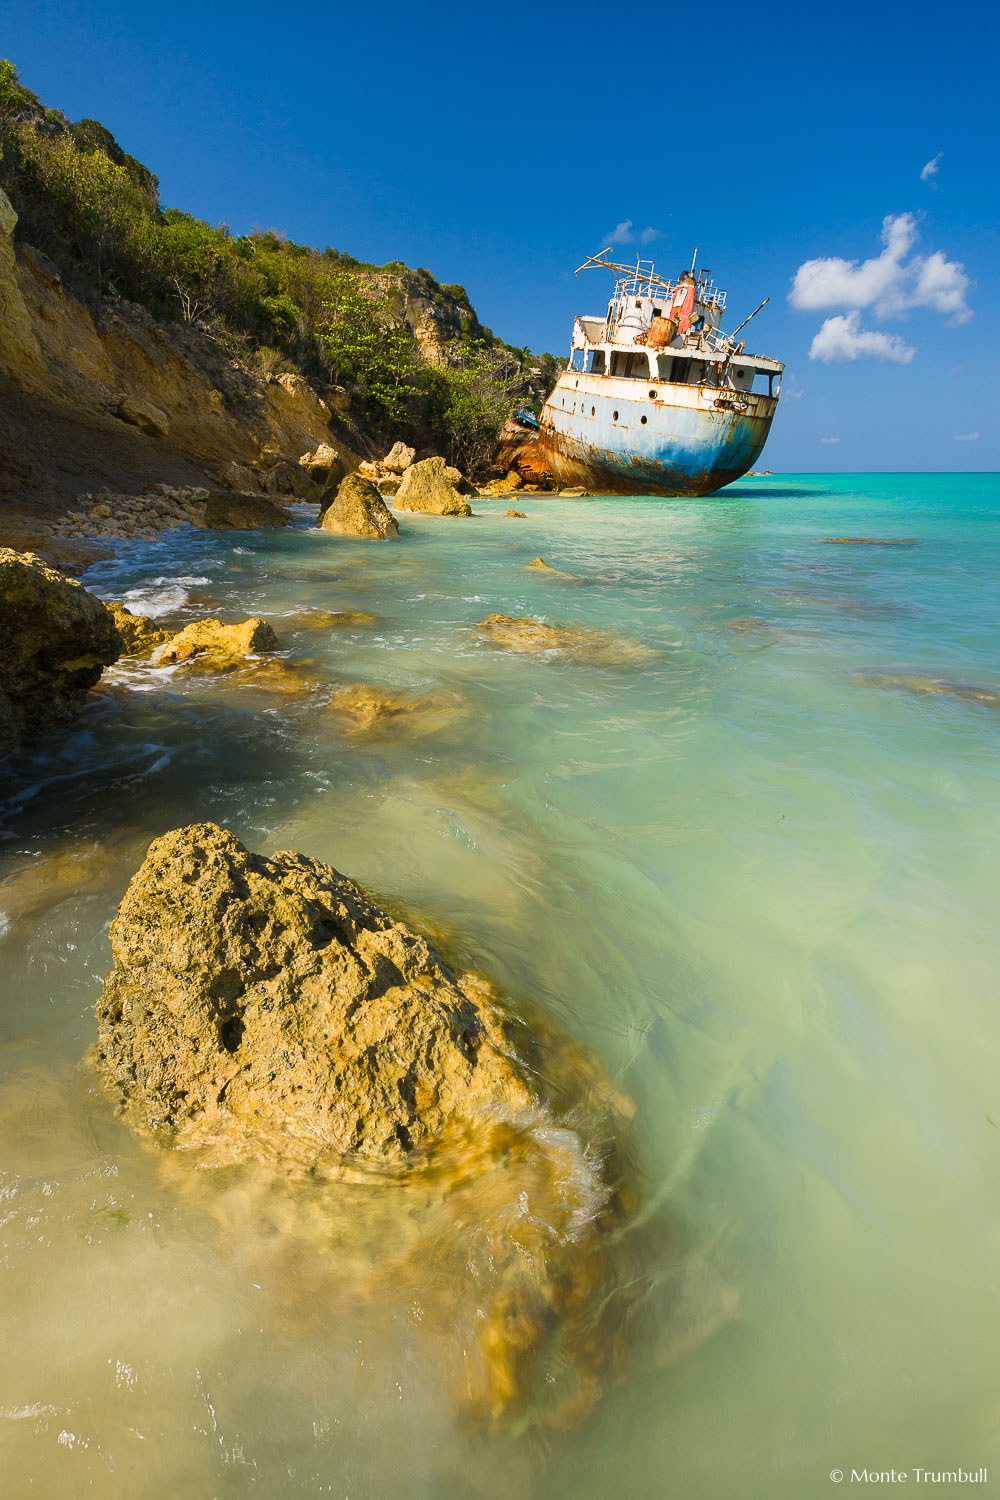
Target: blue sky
499,145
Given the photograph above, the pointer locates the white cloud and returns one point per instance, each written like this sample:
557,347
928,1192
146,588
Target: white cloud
790,388
625,234
829,440
930,169
966,437
841,339
892,283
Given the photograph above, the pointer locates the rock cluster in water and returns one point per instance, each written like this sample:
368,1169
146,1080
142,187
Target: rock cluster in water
274,993
55,641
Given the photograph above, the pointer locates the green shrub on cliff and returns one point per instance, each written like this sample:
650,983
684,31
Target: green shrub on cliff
267,302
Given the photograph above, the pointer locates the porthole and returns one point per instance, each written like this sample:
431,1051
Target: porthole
614,416
652,395
591,411
643,421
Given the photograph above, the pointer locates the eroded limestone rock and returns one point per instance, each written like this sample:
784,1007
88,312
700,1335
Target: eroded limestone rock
55,641
427,487
324,464
215,639
596,647
375,1125
140,635
399,458
357,509
274,992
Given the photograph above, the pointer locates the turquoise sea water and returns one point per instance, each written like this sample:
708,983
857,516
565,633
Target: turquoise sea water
756,872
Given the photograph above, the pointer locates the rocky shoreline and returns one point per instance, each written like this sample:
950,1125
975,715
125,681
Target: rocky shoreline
263,1015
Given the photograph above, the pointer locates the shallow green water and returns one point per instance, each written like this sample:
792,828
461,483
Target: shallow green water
757,874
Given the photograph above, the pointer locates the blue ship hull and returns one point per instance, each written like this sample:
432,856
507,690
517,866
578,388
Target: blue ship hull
614,442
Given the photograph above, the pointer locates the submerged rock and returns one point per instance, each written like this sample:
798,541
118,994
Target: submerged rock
216,639
935,687
427,487
55,641
870,541
237,512
329,619
357,509
538,563
140,635
520,514
596,647
274,993
366,709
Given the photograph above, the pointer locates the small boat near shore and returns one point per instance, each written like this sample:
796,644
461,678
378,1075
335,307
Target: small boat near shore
656,399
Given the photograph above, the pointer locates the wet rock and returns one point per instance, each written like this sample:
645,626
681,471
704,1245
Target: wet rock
426,487
537,562
521,517
274,993
224,512
324,464
575,492
595,647
144,415
55,641
357,509
215,639
140,635
388,484
398,459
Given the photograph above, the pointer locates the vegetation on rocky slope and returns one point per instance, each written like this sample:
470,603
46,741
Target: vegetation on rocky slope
410,352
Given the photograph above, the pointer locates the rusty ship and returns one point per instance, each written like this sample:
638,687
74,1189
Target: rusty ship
656,399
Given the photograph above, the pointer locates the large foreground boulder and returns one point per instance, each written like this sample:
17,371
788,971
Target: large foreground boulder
235,512
273,992
55,641
357,509
427,486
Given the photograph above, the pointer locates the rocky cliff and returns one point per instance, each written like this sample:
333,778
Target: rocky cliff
102,394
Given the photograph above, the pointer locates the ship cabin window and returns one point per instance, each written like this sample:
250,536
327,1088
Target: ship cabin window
681,372
632,366
595,362
576,359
